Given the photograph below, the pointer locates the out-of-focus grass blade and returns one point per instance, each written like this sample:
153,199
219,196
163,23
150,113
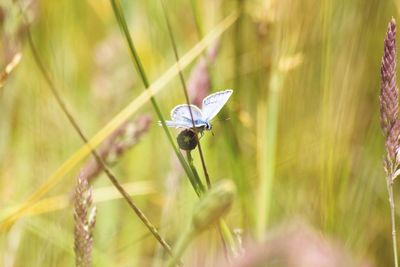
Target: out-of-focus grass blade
267,138
102,194
119,119
61,239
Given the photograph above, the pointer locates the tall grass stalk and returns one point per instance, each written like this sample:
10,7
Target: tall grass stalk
230,132
97,157
119,14
185,91
103,194
197,17
200,189
267,120
240,6
328,141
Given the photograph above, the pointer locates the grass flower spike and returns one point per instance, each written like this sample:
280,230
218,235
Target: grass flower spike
390,124
389,98
85,219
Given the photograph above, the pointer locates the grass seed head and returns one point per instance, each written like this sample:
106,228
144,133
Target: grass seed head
213,205
389,106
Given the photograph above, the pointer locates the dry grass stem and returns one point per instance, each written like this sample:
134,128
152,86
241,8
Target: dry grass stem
122,139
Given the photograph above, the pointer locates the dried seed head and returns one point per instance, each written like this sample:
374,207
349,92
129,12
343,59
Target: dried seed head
389,106
85,219
187,140
213,205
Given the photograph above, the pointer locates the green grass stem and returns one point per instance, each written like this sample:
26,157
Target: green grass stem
119,14
268,127
185,91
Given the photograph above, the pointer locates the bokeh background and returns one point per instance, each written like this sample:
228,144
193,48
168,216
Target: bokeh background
300,136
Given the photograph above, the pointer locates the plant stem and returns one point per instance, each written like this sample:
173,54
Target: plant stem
171,35
226,232
119,14
389,181
267,134
181,246
198,187
195,11
238,45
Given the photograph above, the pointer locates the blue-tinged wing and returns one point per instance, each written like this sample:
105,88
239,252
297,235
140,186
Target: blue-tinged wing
182,113
178,124
213,103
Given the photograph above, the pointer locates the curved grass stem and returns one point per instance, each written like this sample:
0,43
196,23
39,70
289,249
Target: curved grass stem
119,14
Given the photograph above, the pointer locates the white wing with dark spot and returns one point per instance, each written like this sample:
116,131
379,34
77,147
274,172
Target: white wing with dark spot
213,103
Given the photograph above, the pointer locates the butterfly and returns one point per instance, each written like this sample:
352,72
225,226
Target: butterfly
212,104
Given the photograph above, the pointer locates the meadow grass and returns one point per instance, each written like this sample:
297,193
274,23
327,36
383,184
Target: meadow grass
302,143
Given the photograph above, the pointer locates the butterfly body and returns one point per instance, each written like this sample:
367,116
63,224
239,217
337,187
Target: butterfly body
182,115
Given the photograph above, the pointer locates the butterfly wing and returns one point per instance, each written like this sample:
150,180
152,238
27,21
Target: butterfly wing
178,124
181,113
213,103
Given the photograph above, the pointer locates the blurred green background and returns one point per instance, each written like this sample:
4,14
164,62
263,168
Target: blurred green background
303,141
